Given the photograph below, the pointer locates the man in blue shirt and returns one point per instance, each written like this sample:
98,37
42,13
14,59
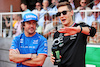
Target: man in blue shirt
30,48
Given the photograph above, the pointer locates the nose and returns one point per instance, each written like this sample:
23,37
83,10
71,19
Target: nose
32,24
61,15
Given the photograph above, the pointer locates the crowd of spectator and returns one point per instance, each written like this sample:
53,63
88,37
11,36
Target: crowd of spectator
49,22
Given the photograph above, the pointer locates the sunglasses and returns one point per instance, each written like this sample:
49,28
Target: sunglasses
63,12
37,5
84,2
95,12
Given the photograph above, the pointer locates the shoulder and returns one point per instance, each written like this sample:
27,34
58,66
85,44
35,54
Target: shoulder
83,24
18,37
78,8
40,37
56,34
88,8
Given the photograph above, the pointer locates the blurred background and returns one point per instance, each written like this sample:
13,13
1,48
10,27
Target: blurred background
11,16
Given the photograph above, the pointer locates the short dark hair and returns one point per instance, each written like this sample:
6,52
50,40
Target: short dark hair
65,4
24,3
54,16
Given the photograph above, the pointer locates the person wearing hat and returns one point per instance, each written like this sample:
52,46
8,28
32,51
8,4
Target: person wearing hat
30,48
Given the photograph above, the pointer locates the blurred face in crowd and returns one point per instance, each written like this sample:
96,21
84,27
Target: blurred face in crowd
96,2
15,17
83,3
65,15
71,1
55,21
94,24
38,5
82,13
53,1
23,7
45,3
96,14
30,27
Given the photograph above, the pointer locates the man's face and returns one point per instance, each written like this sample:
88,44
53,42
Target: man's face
45,3
30,27
82,13
83,3
23,7
53,1
38,5
94,24
65,18
96,14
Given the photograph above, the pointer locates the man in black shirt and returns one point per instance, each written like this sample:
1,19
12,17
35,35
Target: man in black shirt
74,39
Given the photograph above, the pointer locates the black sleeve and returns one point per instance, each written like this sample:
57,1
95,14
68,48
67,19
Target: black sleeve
92,29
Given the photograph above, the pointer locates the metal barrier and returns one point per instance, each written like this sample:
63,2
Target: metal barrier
10,14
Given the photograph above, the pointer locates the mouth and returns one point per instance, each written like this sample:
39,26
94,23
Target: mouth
63,20
31,29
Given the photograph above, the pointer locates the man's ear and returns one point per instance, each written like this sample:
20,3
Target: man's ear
72,13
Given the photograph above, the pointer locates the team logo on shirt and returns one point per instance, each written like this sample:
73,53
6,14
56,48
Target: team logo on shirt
45,44
73,37
35,41
21,40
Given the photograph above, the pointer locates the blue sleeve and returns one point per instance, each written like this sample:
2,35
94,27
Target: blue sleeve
14,44
43,47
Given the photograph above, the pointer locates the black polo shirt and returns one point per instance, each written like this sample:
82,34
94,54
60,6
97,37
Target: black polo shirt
74,48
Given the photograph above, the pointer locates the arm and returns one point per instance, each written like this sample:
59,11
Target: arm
78,29
38,61
16,57
41,54
6,22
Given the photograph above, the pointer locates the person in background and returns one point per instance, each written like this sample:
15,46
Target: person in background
94,17
83,4
6,25
30,48
24,8
37,9
47,25
96,38
56,23
45,9
18,28
74,37
15,19
96,4
80,17
54,7
72,4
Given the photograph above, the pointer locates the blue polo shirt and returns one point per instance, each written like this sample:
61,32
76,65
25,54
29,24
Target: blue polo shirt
36,44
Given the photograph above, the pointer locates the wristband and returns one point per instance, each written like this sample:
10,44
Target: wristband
81,29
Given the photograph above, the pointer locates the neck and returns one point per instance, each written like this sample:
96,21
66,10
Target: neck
69,24
45,8
25,9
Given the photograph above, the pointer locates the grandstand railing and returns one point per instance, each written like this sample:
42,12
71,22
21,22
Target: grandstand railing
11,18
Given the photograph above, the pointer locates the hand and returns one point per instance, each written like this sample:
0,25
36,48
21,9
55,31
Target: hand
4,17
34,56
70,30
15,51
52,58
